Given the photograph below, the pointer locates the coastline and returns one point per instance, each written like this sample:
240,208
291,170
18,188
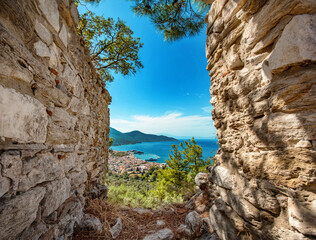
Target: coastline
129,163
162,149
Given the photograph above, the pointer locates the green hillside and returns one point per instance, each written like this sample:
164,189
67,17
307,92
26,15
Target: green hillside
136,137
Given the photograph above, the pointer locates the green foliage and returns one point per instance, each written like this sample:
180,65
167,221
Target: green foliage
187,157
132,196
112,45
110,141
77,2
185,161
119,154
138,193
174,18
159,186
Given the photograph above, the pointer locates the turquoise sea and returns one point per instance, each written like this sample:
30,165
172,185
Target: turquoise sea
160,150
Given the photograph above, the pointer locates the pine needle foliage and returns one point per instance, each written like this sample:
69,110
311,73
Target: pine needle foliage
187,157
174,18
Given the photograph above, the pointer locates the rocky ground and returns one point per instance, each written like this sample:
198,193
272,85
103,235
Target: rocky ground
105,221
176,221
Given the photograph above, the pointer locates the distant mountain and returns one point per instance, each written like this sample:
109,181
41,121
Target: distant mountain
136,137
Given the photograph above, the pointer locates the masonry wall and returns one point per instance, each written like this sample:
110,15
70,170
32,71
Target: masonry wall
262,62
54,120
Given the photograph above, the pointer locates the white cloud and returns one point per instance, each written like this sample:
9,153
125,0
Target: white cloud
207,109
174,123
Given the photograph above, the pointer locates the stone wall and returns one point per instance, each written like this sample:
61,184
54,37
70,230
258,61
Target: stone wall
54,120
262,62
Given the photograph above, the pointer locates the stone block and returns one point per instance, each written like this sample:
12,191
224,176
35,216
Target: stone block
12,167
212,42
43,33
4,184
58,97
201,180
50,10
60,135
64,35
222,177
261,199
258,27
65,12
284,233
290,128
221,217
79,107
272,35
41,49
77,177
42,168
117,228
194,222
244,209
34,232
184,231
233,59
302,216
231,8
23,118
56,193
13,71
163,234
63,119
90,222
74,13
19,213
72,81
215,11
218,26
297,43
54,56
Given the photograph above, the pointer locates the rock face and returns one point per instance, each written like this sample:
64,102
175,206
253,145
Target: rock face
261,58
54,120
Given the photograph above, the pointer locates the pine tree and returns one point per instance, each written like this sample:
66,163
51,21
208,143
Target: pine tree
112,45
174,18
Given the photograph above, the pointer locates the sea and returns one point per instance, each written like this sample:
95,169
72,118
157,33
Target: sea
158,151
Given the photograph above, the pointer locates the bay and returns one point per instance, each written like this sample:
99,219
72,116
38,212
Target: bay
162,149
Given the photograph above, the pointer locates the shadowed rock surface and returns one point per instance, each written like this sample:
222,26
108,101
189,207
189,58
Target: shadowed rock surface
54,120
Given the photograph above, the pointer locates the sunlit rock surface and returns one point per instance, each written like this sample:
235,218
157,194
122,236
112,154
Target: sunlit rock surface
261,58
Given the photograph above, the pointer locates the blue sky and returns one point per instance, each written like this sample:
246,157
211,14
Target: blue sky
170,95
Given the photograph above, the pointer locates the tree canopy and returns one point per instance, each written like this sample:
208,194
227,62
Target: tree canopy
112,45
174,18
187,157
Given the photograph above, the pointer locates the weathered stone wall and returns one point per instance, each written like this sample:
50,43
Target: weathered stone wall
54,120
262,63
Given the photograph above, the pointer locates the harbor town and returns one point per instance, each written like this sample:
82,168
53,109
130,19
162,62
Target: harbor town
120,162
